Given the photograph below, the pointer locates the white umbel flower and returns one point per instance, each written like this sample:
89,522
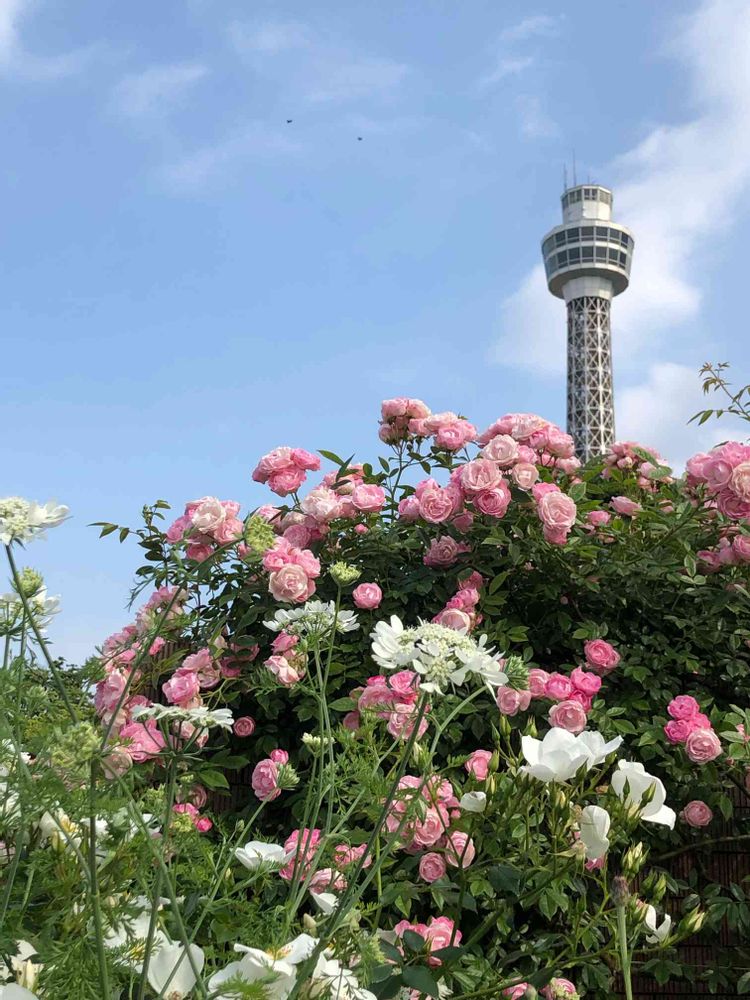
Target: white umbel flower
314,619
201,718
22,520
439,654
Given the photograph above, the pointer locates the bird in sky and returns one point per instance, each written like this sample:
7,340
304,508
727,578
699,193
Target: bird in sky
289,121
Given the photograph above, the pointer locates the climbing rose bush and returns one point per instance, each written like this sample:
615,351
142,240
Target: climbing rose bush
439,724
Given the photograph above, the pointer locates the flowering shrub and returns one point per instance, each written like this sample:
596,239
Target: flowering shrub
463,700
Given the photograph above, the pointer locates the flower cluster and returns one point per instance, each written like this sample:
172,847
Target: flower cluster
23,520
633,459
689,726
206,524
285,469
725,472
440,655
460,612
396,416
438,933
393,698
291,572
273,775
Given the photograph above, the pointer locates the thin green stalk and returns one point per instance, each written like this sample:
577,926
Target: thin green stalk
40,638
622,934
101,954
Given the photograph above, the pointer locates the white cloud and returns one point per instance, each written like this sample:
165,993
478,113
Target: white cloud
676,189
507,65
15,60
270,37
201,165
530,27
148,93
534,121
314,69
656,412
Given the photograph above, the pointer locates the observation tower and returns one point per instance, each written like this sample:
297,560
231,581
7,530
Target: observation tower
587,260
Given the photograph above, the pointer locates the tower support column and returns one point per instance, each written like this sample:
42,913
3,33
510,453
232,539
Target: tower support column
591,412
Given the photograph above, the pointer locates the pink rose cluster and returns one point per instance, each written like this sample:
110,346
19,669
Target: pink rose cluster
725,473
573,695
288,663
197,672
448,431
623,456
428,826
291,572
460,612
201,823
688,726
396,415
529,440
285,469
266,773
122,651
438,933
556,510
206,524
733,549
302,849
444,551
393,698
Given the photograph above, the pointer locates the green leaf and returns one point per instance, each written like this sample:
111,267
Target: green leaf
213,779
421,979
331,456
413,941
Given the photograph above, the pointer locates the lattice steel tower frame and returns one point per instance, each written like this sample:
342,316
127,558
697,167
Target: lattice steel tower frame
587,260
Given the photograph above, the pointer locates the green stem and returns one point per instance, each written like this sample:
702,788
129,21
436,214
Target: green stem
101,954
622,934
40,638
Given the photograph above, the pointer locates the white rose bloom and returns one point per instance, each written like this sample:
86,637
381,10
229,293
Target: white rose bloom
474,802
659,933
560,754
256,853
325,901
594,827
639,781
256,964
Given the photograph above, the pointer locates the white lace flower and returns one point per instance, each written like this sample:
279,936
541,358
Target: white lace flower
201,718
21,520
439,654
314,619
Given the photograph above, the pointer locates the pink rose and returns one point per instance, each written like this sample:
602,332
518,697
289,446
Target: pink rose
287,481
517,992
480,475
431,867
367,596
538,682
244,726
454,618
684,706
182,687
265,780
524,475
558,687
436,505
430,829
587,683
510,701
598,518
408,509
290,584
703,746
494,502
284,671
557,511
601,656
440,932
478,764
741,547
368,498
697,813
740,480
443,551
142,741
502,449
625,506
570,715
279,756
678,730
459,850
207,515
203,824
284,642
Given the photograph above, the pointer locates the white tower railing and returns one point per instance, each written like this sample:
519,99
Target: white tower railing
587,260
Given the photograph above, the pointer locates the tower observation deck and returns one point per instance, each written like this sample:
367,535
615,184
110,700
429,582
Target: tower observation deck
587,261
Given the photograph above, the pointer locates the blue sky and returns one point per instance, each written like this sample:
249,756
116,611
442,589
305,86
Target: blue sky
189,281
